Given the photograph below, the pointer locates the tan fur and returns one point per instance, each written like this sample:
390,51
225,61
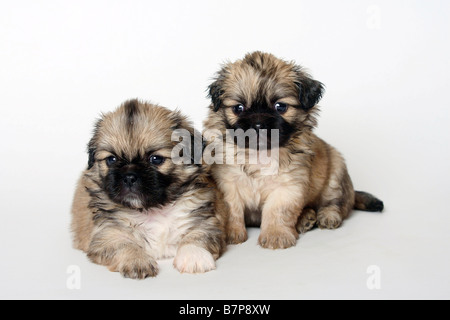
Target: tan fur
129,240
312,176
83,223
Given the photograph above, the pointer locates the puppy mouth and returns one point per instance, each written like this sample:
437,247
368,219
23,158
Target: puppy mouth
132,201
135,191
129,199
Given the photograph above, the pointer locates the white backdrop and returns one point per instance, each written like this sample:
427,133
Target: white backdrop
386,108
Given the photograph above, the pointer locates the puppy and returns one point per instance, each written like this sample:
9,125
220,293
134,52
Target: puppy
311,185
134,205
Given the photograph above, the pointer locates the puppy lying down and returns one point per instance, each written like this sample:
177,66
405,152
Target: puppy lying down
134,205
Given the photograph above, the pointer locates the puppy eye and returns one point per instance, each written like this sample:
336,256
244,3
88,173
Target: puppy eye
238,109
281,107
110,161
156,160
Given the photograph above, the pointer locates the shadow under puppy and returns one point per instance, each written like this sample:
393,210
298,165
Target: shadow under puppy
311,185
134,205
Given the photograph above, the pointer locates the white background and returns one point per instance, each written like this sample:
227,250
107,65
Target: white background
385,66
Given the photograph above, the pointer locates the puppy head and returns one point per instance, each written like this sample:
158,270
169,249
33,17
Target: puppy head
264,92
130,155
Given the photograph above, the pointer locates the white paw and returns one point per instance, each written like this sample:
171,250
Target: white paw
193,259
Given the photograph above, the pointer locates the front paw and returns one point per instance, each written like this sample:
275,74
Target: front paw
133,264
193,259
236,235
138,269
277,239
329,219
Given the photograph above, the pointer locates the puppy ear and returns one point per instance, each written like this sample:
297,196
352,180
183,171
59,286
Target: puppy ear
92,149
191,138
91,160
215,93
310,91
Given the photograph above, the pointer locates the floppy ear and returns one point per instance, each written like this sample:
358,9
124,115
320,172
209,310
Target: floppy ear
189,146
91,160
215,93
310,91
92,149
192,140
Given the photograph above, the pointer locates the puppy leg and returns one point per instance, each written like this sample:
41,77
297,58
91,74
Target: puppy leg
279,219
200,248
337,199
191,258
307,220
134,263
236,232
278,230
120,252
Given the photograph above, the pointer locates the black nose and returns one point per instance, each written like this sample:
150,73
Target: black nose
130,179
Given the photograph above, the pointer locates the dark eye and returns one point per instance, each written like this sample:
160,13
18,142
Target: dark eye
156,160
281,107
110,161
238,109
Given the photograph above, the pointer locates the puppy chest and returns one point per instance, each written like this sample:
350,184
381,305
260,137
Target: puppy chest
250,187
163,230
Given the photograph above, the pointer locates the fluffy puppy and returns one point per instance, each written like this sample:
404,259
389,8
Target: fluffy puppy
311,185
134,205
